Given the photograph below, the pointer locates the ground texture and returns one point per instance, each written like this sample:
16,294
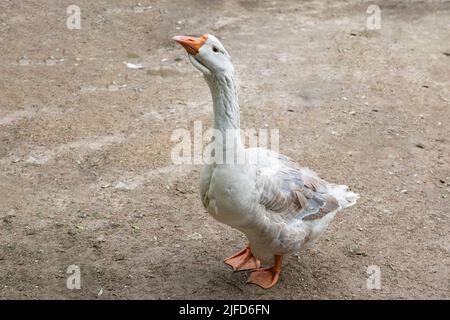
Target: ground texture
86,176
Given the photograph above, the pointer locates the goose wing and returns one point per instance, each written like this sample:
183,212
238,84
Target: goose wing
291,192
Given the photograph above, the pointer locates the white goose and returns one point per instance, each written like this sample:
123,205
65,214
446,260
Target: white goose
280,206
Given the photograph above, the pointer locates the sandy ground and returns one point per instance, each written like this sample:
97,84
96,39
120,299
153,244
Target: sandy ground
86,177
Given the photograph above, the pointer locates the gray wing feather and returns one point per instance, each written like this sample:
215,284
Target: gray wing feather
294,192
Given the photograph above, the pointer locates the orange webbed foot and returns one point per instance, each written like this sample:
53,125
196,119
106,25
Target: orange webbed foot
266,278
243,260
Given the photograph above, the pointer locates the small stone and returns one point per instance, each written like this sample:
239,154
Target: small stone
119,257
32,160
134,66
122,186
195,236
352,113
24,61
29,231
420,145
50,61
113,87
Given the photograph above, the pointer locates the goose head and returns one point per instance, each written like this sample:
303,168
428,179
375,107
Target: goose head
207,54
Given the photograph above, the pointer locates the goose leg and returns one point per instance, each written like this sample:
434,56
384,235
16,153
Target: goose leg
243,260
266,278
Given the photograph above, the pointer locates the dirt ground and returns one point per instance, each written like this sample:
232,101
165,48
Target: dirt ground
86,176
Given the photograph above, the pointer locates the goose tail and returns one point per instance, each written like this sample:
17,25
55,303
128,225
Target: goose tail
345,197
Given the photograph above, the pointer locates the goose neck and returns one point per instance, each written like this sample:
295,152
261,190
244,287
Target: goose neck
225,102
226,111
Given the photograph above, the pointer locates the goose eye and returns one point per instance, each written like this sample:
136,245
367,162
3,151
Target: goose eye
215,49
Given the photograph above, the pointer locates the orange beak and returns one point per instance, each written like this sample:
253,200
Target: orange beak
191,44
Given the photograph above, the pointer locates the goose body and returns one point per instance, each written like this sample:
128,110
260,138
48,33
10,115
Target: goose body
280,206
